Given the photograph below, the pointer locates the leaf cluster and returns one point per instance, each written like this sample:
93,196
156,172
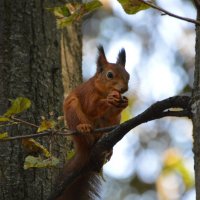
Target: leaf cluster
73,12
45,158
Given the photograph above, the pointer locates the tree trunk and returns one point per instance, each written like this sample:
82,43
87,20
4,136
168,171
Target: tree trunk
196,111
71,70
30,66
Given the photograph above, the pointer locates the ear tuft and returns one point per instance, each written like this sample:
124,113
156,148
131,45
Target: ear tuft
101,60
121,59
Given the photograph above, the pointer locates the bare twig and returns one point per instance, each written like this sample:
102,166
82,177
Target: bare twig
24,122
171,14
20,137
9,124
51,132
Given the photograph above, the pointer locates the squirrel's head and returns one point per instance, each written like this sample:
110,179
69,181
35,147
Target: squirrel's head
112,76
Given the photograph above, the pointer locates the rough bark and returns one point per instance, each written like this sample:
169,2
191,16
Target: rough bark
30,66
196,111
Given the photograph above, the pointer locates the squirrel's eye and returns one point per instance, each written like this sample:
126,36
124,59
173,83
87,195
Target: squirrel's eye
110,75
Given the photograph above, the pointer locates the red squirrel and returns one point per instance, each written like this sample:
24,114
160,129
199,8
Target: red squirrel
97,103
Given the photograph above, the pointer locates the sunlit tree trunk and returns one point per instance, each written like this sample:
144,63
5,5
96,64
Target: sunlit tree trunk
196,111
31,55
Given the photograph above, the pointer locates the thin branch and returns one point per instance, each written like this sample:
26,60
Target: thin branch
9,124
50,132
20,137
67,133
171,14
106,143
24,122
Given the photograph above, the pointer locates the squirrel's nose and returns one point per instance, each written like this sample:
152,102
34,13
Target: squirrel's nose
123,89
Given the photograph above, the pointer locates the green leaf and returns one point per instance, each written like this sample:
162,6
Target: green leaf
32,145
3,135
92,5
61,23
4,119
133,6
18,105
61,11
70,154
74,12
46,124
38,162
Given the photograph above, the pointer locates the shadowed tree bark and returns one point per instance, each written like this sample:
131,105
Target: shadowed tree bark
31,54
196,109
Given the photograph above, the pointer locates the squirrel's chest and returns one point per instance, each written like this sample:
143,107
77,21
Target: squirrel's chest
103,118
99,112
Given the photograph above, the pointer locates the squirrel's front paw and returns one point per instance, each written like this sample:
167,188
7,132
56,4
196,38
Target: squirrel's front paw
123,102
84,128
115,99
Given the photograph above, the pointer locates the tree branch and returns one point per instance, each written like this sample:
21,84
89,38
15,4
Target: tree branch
171,14
50,132
24,122
106,143
156,111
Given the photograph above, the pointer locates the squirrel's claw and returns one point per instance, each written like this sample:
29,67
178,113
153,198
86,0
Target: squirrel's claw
84,128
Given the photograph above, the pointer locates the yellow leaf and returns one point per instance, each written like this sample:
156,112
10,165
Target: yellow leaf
133,6
3,135
185,174
126,115
38,162
173,162
32,145
171,158
46,124
18,105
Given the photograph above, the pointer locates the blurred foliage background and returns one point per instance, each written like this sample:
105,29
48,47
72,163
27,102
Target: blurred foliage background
155,160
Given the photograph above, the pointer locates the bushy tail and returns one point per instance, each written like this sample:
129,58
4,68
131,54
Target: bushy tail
85,187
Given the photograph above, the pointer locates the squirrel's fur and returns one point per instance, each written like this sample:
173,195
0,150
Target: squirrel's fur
96,103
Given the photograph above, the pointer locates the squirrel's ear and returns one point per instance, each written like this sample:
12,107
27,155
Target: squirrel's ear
101,60
121,59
